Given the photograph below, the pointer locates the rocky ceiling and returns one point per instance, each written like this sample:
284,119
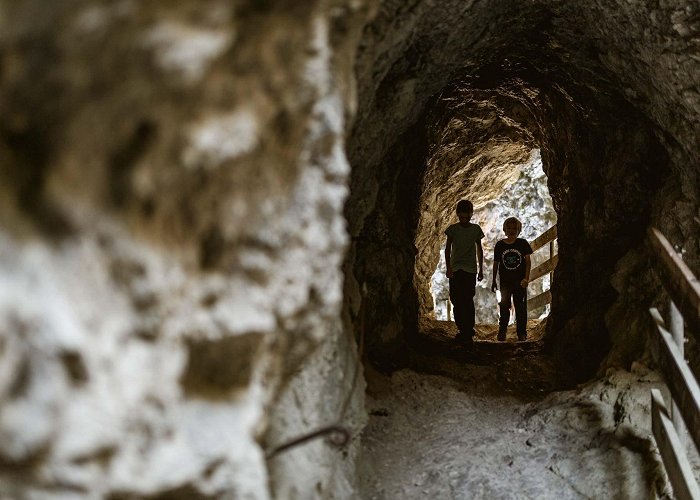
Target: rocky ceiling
453,94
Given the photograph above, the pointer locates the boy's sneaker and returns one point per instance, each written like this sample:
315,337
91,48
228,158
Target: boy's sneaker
464,340
522,336
501,336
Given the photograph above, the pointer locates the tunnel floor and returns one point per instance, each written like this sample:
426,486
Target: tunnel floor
488,424
519,366
439,337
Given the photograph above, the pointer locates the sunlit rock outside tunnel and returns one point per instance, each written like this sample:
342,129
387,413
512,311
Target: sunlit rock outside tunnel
221,222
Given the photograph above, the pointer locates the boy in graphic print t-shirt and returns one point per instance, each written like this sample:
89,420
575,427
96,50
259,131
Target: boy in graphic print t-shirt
511,261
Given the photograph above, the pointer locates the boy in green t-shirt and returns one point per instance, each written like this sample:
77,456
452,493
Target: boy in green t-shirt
462,249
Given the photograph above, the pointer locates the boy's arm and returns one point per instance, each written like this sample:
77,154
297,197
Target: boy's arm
495,271
496,258
480,256
526,279
448,250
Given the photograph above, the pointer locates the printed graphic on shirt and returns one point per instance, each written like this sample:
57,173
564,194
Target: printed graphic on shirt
512,259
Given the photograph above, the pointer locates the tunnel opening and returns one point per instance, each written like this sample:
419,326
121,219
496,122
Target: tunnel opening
525,195
481,153
603,163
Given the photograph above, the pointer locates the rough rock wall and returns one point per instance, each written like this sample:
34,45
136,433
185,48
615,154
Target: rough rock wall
171,235
610,164
383,254
328,391
607,90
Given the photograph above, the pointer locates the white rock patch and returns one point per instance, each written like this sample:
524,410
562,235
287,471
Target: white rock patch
186,50
221,138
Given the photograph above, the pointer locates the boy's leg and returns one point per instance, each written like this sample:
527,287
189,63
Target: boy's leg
462,290
458,298
520,302
504,308
469,311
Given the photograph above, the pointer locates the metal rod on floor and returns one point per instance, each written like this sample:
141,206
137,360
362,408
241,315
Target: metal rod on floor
339,436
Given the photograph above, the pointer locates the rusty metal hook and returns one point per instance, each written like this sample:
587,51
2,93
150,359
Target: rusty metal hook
339,436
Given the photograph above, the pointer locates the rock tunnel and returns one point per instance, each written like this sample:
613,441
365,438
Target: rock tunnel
536,79
216,214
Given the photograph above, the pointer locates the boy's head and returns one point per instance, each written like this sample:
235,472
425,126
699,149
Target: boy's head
512,227
465,210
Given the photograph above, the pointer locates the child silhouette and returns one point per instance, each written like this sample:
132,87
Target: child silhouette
511,261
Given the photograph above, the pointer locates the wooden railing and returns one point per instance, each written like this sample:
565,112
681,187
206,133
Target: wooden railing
546,267
667,346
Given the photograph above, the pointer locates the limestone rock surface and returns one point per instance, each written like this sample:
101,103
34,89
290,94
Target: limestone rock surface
173,177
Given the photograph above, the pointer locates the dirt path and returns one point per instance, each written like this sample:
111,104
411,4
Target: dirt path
467,436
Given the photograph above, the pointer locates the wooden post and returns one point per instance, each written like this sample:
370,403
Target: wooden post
679,471
676,327
551,255
668,346
544,268
680,380
678,280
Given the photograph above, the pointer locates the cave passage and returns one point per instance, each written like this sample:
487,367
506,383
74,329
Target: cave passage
472,432
601,155
445,113
216,216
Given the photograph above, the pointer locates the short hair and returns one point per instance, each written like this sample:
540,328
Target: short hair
513,219
465,206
